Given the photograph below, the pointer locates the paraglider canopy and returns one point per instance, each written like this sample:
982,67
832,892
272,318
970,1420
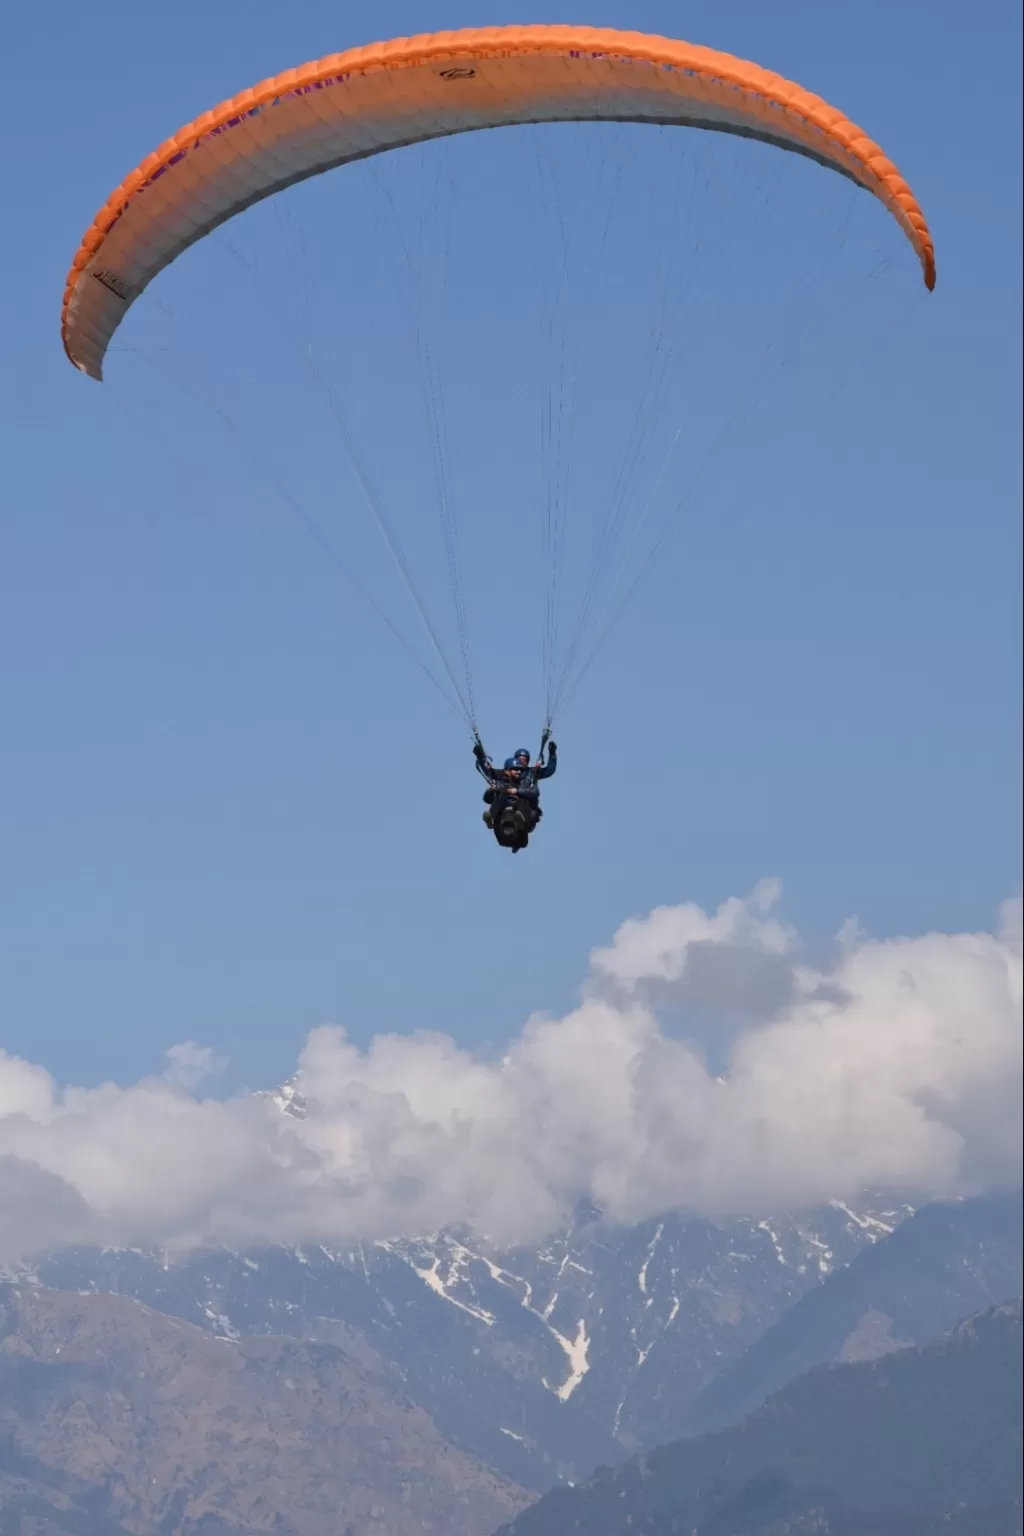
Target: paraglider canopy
351,105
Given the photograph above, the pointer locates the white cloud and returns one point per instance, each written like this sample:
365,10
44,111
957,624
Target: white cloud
898,1067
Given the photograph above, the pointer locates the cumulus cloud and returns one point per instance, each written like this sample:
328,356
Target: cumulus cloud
707,1067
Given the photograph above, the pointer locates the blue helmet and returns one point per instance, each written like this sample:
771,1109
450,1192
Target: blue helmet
519,759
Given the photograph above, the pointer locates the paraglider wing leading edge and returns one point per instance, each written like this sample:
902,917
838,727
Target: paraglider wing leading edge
369,100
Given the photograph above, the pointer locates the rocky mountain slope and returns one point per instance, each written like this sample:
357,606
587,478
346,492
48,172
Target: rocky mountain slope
115,1418
942,1264
541,1361
538,1362
920,1441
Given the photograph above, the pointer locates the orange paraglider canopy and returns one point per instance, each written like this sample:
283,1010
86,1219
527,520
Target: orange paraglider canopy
368,100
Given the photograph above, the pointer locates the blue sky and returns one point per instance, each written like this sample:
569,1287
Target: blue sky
230,810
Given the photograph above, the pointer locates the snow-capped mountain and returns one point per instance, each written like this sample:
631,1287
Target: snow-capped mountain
541,1361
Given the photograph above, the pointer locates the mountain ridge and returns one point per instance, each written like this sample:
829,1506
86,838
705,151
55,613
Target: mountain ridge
145,1422
943,1263
602,1341
902,1441
541,1361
